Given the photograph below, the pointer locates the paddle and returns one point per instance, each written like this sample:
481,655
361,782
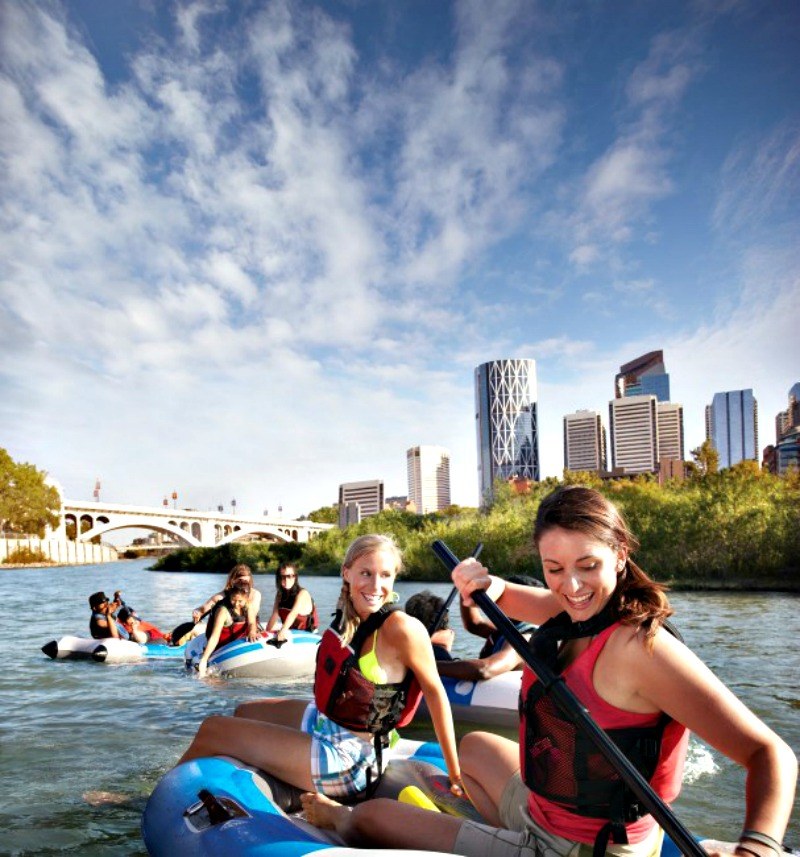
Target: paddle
446,606
573,709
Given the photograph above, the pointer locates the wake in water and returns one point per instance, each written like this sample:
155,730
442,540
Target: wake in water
699,762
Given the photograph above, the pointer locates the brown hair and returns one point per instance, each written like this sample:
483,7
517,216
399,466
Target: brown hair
638,600
237,573
368,544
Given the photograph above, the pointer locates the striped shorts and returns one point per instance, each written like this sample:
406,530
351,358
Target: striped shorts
340,760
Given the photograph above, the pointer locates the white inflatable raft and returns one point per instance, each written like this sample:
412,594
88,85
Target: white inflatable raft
492,702
109,650
261,658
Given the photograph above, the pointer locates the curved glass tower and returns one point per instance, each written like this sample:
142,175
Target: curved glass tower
506,422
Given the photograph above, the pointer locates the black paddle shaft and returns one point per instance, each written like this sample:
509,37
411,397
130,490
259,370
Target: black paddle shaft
572,708
446,606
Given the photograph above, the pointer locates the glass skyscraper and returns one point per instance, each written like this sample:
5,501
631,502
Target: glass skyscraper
506,422
644,376
733,427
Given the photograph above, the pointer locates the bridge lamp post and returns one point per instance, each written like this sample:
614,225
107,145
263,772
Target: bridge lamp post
233,505
175,499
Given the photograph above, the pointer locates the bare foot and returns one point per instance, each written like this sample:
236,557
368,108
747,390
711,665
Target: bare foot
321,811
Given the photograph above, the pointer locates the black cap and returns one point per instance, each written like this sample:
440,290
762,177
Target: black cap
96,599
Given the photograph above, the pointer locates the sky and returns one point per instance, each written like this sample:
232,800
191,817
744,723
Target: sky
251,250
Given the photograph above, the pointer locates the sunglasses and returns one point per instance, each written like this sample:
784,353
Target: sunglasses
288,576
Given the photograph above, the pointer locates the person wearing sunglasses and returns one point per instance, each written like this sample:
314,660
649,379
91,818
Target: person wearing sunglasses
294,607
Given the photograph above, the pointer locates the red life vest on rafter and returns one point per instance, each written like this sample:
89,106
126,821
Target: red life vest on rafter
343,694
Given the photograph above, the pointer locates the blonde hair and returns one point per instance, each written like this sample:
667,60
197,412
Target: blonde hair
362,546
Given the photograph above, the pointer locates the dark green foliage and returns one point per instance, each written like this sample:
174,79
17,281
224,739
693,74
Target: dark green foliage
737,528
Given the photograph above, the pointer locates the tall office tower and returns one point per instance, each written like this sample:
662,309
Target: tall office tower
787,423
506,422
584,442
734,426
644,376
669,418
428,478
359,500
634,434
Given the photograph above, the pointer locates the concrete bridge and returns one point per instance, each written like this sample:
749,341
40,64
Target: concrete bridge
90,519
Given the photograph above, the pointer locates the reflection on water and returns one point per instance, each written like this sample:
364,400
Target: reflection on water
73,730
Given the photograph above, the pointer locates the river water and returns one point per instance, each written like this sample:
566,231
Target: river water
83,744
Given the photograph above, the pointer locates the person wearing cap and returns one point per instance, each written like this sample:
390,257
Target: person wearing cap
102,623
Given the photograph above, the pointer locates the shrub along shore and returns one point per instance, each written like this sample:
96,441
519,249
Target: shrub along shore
738,529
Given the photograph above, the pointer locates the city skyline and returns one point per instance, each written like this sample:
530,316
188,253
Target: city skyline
255,251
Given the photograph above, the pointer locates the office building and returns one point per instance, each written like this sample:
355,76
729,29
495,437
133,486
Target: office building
786,420
506,422
358,500
634,434
669,416
428,470
644,376
584,442
733,427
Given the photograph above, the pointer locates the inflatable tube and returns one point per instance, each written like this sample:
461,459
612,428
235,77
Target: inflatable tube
259,659
109,650
252,812
492,702
217,805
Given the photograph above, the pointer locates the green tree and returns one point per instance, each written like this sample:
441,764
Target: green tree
324,515
706,458
27,503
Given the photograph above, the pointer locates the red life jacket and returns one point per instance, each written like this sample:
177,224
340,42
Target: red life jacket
154,634
342,693
561,764
234,631
301,623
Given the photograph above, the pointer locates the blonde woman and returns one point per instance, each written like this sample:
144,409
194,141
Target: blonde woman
319,746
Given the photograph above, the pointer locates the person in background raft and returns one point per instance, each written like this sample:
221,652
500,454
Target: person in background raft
307,744
102,623
294,606
427,607
604,632
240,573
501,658
140,631
227,622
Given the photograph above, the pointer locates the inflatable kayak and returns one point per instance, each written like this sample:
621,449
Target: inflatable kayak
220,806
109,650
260,658
492,702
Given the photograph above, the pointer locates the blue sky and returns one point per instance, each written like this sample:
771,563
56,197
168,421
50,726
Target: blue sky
252,250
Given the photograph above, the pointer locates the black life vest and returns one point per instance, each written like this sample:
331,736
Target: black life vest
561,764
98,632
347,697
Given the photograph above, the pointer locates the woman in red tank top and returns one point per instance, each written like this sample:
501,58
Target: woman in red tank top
550,796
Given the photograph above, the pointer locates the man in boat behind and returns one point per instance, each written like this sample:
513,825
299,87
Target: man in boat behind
103,623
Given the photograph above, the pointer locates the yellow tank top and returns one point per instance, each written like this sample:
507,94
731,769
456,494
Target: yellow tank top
369,666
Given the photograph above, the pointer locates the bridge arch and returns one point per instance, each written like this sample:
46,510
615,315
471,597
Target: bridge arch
141,524
254,530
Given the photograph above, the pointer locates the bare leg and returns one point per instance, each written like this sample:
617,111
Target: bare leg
384,822
487,763
283,712
279,750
